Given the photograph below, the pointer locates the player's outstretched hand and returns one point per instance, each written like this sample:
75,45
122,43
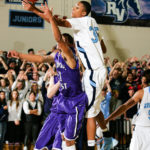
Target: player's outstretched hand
27,5
48,13
13,53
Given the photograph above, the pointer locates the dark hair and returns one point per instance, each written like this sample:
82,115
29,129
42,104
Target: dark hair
147,75
30,50
31,92
69,38
87,6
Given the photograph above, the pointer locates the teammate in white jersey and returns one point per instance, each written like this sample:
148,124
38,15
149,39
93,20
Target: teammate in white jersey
141,134
85,30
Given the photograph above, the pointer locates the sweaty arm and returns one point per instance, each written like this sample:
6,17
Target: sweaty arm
61,42
32,58
123,108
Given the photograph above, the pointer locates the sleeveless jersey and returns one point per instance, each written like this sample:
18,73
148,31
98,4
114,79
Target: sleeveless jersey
70,84
143,116
85,31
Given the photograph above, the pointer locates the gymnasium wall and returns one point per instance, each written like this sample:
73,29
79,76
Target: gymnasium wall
122,41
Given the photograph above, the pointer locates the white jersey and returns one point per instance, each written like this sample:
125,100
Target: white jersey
85,30
143,116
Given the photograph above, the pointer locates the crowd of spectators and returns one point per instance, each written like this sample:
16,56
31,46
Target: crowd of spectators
24,104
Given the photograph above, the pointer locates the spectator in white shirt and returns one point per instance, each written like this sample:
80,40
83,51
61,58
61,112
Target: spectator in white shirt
14,118
21,84
32,110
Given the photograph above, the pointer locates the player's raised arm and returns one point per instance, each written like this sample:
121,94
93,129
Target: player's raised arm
31,58
62,44
27,5
123,108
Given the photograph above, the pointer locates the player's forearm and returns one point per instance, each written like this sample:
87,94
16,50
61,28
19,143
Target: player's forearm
31,58
55,30
62,22
118,112
121,109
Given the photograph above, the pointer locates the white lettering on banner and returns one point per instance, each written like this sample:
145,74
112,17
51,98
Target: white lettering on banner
26,19
111,9
119,9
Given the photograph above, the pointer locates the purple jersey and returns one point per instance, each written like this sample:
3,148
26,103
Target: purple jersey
69,78
72,101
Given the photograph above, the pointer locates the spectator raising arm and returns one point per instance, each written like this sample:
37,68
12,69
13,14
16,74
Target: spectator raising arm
53,88
3,63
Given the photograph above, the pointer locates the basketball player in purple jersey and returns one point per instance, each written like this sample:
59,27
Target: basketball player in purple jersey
72,101
85,30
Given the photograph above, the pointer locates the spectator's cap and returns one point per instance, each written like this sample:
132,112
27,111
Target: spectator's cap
139,87
131,88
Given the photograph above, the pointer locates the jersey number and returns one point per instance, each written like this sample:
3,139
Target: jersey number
94,30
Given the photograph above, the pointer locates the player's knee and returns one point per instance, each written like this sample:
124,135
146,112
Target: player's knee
69,143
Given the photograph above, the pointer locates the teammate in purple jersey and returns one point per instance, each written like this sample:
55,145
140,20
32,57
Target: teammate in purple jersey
72,101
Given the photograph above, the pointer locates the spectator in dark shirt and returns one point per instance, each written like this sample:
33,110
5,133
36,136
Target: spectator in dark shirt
3,118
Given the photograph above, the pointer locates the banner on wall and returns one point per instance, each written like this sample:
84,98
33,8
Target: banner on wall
122,12
20,1
25,19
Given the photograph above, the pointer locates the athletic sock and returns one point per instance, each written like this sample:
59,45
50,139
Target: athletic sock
73,147
91,145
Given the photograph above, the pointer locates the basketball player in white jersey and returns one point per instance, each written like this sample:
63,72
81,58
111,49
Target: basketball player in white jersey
141,134
85,30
